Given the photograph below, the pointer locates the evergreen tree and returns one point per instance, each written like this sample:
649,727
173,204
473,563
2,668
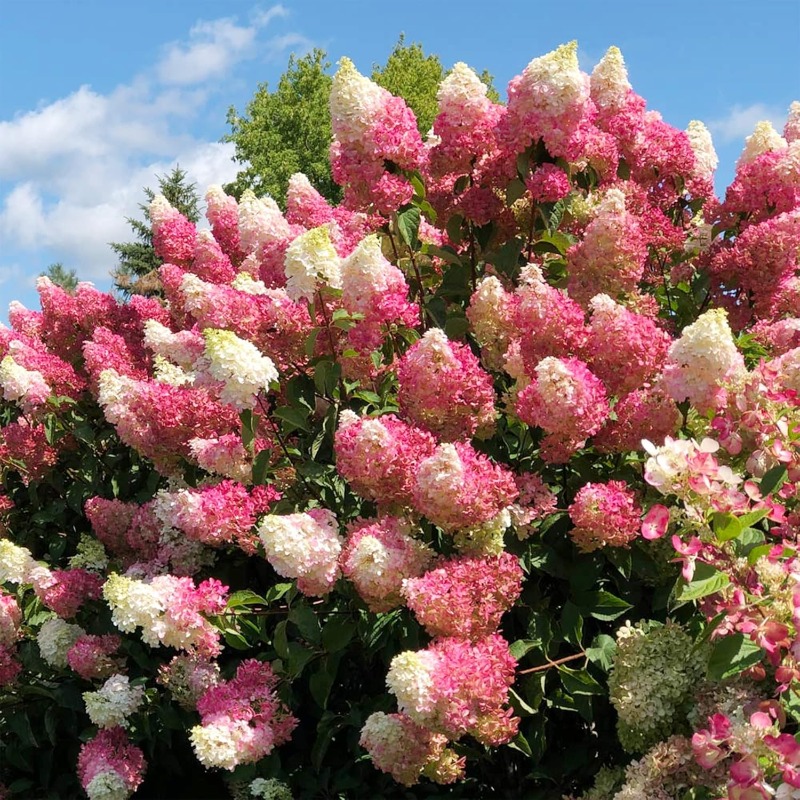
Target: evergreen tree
137,271
61,276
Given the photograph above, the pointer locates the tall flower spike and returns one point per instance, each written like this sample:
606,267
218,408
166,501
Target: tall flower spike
609,81
764,139
703,146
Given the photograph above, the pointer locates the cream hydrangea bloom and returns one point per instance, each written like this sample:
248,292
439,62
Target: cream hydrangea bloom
311,259
113,702
261,222
55,638
354,102
703,146
764,139
462,95
703,357
239,364
410,680
553,82
609,80
16,563
25,387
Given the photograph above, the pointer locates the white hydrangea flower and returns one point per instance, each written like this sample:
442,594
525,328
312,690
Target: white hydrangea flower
245,282
304,546
166,372
181,348
764,139
655,670
703,147
160,211
16,562
702,358
553,83
55,638
216,745
108,785
238,364
355,101
311,259
270,789
113,702
609,81
135,604
791,131
25,387
364,274
462,95
410,680
261,222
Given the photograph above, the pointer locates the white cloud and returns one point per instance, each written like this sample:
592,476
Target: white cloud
213,48
72,170
740,121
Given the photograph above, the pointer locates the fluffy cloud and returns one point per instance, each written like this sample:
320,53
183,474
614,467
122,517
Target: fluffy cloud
72,170
740,121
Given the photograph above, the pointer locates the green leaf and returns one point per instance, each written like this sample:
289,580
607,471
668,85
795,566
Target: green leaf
280,641
726,526
579,681
732,655
322,680
706,580
337,633
453,228
519,742
416,182
235,639
456,327
248,431
408,225
521,647
445,253
514,191
296,417
261,467
773,479
307,621
602,651
244,598
571,623
758,552
602,605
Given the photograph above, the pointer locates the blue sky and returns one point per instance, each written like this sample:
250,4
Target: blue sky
97,96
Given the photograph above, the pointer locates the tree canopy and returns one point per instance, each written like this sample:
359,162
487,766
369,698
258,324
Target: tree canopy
288,130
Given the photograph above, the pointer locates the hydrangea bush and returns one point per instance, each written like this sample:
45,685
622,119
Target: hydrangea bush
483,483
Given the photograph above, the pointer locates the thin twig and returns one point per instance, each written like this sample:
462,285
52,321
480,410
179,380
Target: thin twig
550,664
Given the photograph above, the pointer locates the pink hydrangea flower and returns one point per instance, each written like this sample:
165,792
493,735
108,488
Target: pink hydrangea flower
407,751
567,401
443,388
109,762
378,555
242,720
379,456
92,656
465,597
604,515
457,487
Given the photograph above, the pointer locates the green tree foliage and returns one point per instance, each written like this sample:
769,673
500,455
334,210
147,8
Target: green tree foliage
67,279
136,272
289,130
286,131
